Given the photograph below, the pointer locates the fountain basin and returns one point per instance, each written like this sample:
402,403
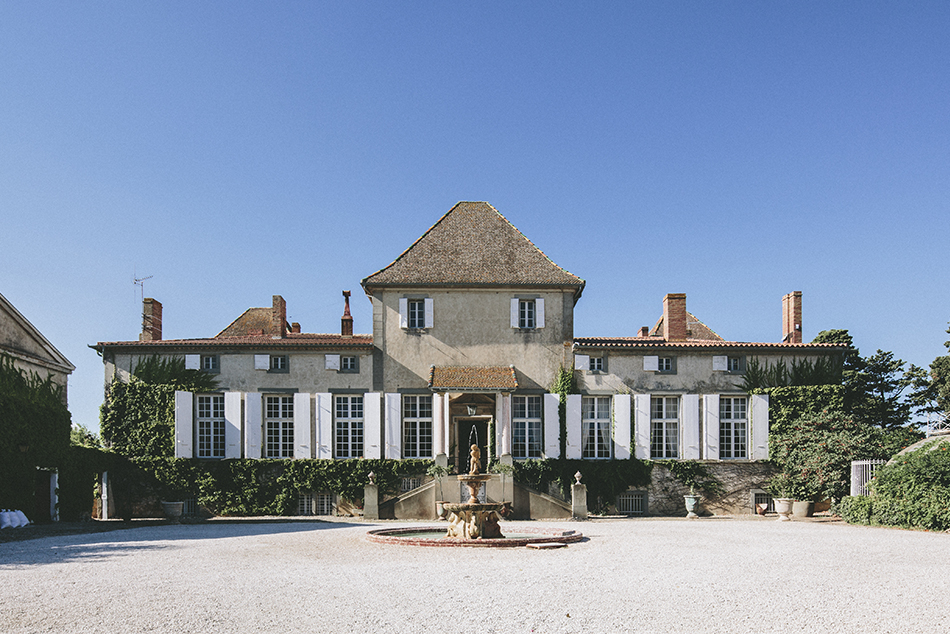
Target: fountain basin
518,536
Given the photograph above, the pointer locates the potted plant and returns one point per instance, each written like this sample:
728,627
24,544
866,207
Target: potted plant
783,488
438,472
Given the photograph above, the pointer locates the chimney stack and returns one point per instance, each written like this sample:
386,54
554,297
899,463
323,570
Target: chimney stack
346,322
278,317
644,331
151,320
792,318
674,317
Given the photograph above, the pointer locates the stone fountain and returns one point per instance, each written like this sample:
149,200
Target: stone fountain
474,519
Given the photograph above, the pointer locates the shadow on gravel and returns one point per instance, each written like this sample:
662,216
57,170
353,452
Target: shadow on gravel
54,544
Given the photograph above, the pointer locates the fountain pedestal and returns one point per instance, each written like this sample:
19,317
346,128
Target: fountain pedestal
474,519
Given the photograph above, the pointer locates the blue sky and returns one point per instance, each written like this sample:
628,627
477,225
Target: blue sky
232,151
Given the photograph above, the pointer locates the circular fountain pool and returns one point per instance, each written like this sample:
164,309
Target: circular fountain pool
435,536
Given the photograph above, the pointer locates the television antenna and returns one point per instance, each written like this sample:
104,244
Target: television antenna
140,282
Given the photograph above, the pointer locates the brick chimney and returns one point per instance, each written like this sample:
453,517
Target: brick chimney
295,328
278,317
792,318
644,331
674,317
346,322
151,320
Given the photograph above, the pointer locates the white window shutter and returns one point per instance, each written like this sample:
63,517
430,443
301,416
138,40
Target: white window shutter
539,313
505,425
641,419
760,426
581,361
552,426
262,362
184,424
253,424
720,363
711,425
514,312
324,416
393,426
429,319
651,364
403,312
689,419
192,361
573,420
232,424
372,408
332,362
621,431
302,426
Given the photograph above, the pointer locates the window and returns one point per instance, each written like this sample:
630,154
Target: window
279,363
527,314
736,365
417,313
664,427
595,427
211,426
526,427
349,426
733,424
597,364
632,503
666,365
417,426
279,427
209,364
349,364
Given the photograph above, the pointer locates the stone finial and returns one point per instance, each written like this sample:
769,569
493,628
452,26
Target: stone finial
577,476
372,478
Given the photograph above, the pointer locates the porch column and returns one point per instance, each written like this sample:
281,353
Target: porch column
503,424
438,424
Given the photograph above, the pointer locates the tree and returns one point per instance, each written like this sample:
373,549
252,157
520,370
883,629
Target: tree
82,436
931,390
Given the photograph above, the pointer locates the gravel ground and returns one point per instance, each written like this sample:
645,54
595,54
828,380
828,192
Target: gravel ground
650,575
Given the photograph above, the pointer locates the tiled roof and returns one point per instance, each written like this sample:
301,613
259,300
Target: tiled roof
660,342
252,321
292,340
695,329
473,245
463,378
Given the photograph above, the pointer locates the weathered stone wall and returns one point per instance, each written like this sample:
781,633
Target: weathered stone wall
738,479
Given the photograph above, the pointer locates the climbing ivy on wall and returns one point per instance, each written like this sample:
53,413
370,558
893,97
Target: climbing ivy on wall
138,419
34,431
564,384
605,479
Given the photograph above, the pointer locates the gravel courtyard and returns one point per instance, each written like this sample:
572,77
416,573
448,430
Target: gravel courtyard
650,575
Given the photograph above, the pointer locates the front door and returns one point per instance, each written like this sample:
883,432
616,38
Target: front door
472,431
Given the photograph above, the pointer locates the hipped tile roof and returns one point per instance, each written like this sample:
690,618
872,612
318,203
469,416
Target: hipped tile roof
292,340
660,342
466,378
473,245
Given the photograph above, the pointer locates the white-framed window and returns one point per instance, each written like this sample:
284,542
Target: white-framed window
210,420
597,364
417,426
736,365
279,426
595,427
349,426
666,365
527,313
323,504
349,364
733,427
417,313
664,427
526,426
210,364
279,363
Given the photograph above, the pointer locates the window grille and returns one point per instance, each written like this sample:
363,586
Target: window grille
305,504
190,507
408,484
761,497
323,504
632,503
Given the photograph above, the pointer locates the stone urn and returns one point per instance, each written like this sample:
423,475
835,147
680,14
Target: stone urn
783,506
692,504
173,510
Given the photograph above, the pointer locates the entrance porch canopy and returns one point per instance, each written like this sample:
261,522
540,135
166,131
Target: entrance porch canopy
473,379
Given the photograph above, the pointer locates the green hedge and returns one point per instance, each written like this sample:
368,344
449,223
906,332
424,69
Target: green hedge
912,491
138,419
605,479
260,487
